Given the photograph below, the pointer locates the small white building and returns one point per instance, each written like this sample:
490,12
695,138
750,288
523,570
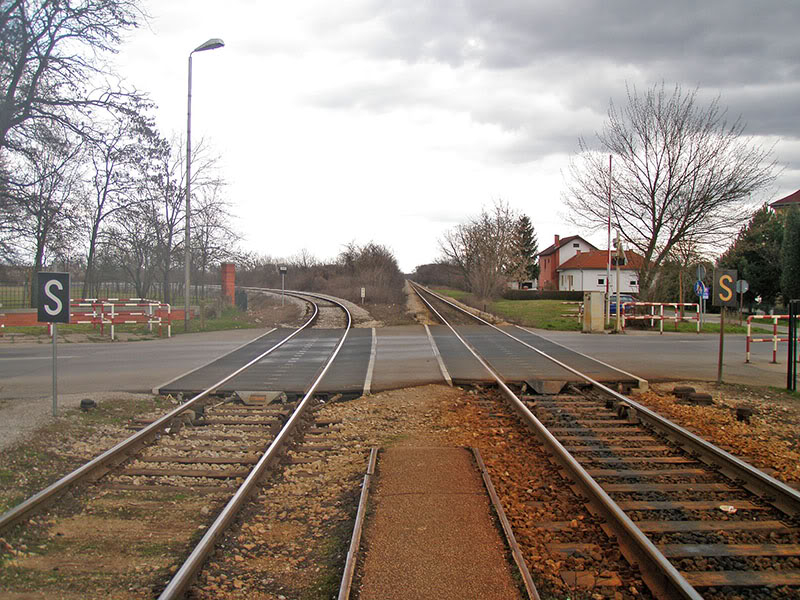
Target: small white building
586,272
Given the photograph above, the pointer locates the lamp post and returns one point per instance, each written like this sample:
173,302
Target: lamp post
211,44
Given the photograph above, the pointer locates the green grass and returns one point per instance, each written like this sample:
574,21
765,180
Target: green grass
459,295
230,318
541,314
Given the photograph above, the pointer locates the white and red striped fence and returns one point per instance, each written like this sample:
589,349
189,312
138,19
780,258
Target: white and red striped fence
122,311
656,313
774,338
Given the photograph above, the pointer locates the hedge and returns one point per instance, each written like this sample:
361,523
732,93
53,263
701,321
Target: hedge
542,295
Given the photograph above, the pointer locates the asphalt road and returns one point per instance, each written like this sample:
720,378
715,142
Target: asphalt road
107,370
25,369
674,356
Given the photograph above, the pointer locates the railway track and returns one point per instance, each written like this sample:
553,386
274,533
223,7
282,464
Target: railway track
202,459
696,520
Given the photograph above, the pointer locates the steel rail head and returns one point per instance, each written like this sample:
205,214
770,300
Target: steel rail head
184,576
25,508
355,538
786,497
663,578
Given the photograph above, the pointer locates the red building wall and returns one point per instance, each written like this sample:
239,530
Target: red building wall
228,271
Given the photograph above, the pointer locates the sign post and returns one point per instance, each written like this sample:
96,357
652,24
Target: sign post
741,288
724,282
701,273
53,307
283,270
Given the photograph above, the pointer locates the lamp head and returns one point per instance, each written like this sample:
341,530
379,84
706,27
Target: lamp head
211,44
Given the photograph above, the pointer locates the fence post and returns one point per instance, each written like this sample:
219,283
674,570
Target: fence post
791,362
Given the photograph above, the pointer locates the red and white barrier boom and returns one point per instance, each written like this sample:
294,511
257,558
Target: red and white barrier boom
656,313
122,311
775,338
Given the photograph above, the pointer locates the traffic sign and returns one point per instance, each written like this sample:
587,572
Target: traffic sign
724,283
53,304
700,289
53,307
742,286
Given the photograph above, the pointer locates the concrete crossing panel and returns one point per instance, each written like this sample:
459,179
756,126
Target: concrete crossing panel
207,375
292,367
460,363
512,360
404,358
584,364
349,370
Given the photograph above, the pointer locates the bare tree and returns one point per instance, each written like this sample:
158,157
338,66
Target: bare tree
483,249
213,235
114,179
684,254
303,260
130,244
42,197
50,62
681,170
165,202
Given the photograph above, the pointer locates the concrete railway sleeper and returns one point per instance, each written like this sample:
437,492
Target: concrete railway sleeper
204,449
690,515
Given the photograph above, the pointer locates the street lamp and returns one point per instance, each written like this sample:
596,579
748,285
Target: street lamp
211,44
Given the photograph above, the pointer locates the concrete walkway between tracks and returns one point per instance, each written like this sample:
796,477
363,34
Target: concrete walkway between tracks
432,533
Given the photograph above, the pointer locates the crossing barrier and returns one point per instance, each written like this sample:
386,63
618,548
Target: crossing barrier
659,316
774,338
111,312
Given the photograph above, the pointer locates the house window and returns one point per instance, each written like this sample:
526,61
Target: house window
576,245
601,281
634,282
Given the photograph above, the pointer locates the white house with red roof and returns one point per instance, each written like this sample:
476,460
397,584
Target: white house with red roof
573,264
586,272
551,258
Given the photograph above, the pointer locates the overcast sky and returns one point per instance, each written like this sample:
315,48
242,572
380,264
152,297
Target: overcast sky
392,121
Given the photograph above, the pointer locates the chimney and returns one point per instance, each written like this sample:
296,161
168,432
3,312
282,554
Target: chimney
556,241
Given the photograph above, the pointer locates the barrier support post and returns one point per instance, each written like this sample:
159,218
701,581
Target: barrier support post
747,342
775,340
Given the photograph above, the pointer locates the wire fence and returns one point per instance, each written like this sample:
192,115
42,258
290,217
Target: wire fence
15,295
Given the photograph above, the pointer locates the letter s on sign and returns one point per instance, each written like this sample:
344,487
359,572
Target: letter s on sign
53,311
726,292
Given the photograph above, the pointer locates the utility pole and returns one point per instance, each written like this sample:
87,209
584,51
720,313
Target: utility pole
620,259
608,263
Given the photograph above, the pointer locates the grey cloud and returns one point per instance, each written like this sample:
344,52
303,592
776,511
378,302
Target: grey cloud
582,51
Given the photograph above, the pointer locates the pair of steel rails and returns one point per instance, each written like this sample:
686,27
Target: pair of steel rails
116,455
661,576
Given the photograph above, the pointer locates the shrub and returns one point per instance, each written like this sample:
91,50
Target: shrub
542,295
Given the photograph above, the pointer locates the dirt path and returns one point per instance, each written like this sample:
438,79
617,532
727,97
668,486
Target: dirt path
432,534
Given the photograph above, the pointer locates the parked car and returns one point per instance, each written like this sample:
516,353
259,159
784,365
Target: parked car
623,298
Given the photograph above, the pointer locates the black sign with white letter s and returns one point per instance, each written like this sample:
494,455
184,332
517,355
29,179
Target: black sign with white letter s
53,306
